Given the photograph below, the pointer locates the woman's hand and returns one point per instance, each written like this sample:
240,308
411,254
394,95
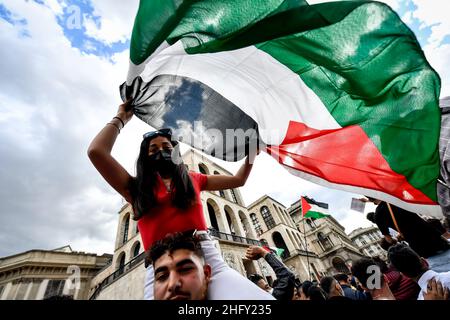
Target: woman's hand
125,111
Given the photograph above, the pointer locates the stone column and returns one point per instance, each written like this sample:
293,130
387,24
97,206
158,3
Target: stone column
251,233
222,221
41,291
6,291
27,293
236,220
292,246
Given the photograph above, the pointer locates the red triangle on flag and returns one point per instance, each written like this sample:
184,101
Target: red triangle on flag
305,206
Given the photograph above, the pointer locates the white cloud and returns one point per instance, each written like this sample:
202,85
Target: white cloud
54,99
408,17
439,58
116,20
435,14
57,6
394,4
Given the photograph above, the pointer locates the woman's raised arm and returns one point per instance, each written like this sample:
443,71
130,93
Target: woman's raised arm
99,152
222,182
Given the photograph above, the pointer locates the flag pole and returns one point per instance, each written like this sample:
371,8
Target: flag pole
304,235
306,247
393,219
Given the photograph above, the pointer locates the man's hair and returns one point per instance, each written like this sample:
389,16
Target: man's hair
326,284
317,294
305,287
341,277
405,260
255,278
371,216
360,270
173,242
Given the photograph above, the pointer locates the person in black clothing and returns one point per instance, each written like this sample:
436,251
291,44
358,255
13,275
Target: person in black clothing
304,290
316,293
421,236
283,287
349,292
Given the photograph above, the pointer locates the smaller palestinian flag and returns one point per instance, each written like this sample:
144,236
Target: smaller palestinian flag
277,251
310,210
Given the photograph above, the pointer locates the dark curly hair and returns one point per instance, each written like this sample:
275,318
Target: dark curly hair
405,260
173,242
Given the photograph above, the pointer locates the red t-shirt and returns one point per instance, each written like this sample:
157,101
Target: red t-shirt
165,218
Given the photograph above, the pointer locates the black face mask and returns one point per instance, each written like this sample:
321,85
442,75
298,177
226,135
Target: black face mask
162,161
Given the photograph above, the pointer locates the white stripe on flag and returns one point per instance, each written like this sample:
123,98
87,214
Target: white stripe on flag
254,81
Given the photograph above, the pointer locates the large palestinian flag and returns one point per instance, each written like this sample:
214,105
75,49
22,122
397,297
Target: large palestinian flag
340,92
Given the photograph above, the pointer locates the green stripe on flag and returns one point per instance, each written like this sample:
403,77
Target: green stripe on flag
154,21
315,214
390,105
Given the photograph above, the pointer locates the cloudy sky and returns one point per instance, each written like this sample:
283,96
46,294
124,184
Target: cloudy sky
61,64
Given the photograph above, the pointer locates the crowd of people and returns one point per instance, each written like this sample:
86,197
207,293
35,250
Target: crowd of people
182,273
183,262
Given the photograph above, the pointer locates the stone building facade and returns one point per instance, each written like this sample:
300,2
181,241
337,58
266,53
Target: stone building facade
42,274
327,238
276,228
367,240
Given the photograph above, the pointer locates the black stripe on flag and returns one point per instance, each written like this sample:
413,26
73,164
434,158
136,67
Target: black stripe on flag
197,114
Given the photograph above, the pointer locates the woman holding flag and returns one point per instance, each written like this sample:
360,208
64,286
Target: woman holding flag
166,199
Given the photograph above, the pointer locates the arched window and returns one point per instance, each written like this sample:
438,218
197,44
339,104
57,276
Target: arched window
126,226
121,264
325,241
340,265
136,249
233,196
202,168
267,216
230,222
256,224
212,217
279,243
311,223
